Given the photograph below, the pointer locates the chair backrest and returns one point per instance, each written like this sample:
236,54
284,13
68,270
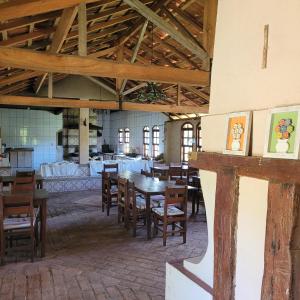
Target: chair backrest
196,182
106,184
192,172
25,173
112,168
131,195
123,190
17,204
24,184
177,197
175,171
147,174
180,182
163,178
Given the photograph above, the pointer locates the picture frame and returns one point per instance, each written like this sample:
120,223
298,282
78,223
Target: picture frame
238,128
282,138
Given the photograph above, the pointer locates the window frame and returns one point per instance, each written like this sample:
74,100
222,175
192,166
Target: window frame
186,148
155,140
121,136
199,137
126,140
146,141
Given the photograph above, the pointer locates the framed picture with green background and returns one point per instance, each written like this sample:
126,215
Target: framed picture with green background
283,133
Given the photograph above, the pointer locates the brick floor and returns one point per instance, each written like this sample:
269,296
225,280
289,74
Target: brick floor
90,256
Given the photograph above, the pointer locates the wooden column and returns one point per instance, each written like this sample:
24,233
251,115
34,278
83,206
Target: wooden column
282,247
225,233
84,112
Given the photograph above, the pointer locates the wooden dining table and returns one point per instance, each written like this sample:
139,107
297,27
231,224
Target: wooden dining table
148,186
40,198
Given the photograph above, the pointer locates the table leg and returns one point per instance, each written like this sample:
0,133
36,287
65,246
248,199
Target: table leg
43,227
193,202
148,216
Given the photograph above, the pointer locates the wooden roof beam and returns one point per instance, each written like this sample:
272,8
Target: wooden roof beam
69,64
168,28
25,8
95,104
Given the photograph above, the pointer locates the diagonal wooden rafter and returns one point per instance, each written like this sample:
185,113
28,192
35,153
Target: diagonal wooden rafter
168,28
62,30
135,51
70,64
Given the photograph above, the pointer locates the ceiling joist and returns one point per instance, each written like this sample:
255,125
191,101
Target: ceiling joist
112,105
71,64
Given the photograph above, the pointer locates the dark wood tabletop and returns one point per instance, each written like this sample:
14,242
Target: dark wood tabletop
11,179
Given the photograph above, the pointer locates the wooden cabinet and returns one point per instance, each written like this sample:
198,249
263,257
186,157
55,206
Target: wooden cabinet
21,158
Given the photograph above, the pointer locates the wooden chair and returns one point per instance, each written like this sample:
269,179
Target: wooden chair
111,168
109,193
122,201
25,173
136,209
197,198
147,174
191,172
173,213
22,184
17,220
175,172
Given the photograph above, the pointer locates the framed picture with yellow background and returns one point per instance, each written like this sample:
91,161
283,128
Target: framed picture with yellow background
238,127
283,133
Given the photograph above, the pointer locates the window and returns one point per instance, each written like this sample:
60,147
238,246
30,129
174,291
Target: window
155,141
186,141
126,140
121,136
199,137
146,140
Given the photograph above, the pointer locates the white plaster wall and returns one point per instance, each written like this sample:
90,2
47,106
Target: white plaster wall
136,121
203,267
33,129
238,81
176,290
173,138
252,212
78,87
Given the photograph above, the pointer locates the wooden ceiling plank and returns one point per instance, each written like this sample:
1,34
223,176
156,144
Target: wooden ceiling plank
23,38
168,28
19,77
69,64
180,27
112,105
24,8
103,25
14,24
197,92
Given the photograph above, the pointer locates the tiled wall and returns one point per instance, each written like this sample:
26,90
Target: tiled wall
136,121
32,128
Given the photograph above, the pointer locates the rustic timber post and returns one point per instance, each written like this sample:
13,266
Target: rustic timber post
225,233
281,280
282,245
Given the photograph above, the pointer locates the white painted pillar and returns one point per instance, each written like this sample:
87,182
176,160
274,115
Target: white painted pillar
84,135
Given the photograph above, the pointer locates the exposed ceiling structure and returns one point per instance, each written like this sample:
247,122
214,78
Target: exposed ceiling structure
128,43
